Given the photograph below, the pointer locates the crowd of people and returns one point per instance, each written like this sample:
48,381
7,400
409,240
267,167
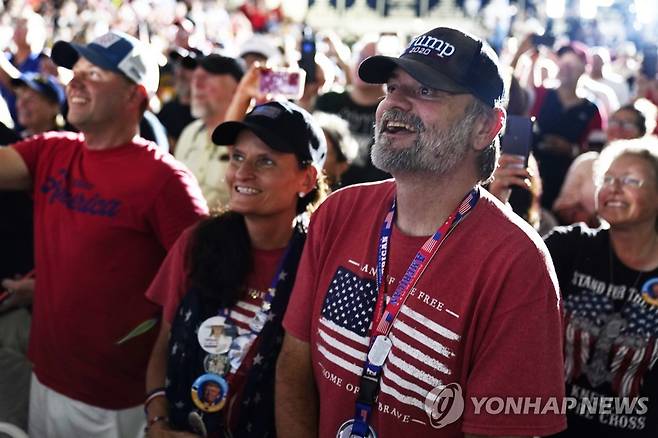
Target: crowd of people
220,223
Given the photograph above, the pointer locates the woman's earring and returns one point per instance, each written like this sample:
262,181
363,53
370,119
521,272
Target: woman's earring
301,194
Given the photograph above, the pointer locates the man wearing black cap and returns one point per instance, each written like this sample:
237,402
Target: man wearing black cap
108,205
418,297
213,84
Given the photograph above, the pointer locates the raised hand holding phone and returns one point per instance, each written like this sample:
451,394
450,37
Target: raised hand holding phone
285,83
511,172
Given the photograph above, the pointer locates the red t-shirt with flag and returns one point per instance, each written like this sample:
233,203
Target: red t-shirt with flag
103,222
484,315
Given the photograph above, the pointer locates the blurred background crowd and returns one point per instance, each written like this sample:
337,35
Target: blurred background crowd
600,55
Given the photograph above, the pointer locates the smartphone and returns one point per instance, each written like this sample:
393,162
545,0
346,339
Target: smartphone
649,61
282,82
307,61
546,40
517,139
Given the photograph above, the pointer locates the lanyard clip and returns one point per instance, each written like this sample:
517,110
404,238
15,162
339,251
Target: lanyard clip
368,388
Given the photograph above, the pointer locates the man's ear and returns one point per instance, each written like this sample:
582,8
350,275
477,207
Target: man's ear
138,97
488,127
310,178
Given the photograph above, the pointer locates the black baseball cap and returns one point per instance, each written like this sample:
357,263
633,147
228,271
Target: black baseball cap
222,65
186,58
284,127
446,59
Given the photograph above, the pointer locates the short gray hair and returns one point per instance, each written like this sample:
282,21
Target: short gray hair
488,157
645,148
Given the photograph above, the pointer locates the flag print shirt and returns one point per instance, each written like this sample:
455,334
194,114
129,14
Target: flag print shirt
611,336
483,320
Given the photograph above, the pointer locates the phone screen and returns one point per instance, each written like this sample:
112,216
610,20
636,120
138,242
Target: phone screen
517,139
288,84
308,49
307,61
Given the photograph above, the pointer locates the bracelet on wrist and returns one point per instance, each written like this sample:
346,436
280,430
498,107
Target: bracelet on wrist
152,395
157,419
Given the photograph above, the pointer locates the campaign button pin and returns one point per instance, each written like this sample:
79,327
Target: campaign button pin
213,337
650,291
216,363
209,392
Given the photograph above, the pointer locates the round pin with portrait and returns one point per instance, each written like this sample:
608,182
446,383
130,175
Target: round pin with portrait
213,336
216,364
209,393
650,291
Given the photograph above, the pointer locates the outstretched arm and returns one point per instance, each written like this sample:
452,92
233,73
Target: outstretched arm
14,174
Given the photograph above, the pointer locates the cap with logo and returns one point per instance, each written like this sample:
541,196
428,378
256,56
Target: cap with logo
222,65
114,51
284,127
46,85
446,59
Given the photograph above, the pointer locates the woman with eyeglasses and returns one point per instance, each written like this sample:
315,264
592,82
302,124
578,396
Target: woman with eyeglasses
225,284
609,281
575,202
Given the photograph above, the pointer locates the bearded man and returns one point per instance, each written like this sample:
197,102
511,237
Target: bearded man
420,298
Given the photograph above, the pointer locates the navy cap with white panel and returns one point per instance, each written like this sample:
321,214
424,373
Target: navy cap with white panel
117,52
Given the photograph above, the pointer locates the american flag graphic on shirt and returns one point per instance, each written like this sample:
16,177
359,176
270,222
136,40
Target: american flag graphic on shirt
244,311
632,354
423,349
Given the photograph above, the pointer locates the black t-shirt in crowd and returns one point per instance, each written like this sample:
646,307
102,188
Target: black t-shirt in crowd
16,248
175,117
361,120
611,337
572,124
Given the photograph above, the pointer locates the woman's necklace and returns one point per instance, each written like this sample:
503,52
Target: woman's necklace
611,276
614,325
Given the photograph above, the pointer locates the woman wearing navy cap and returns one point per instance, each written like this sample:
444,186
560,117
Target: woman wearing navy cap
225,285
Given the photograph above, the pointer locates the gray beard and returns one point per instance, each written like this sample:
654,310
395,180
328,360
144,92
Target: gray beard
198,110
434,151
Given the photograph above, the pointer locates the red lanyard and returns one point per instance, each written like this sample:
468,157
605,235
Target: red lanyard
383,318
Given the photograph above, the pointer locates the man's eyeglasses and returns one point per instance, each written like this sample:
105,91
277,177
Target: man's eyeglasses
625,181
